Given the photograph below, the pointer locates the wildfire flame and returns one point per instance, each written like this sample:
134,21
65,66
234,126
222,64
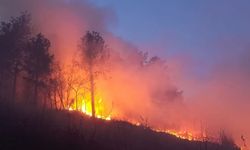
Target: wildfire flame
82,103
187,135
182,134
86,109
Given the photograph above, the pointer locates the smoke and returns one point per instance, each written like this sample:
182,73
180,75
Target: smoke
161,93
136,92
142,92
62,21
220,100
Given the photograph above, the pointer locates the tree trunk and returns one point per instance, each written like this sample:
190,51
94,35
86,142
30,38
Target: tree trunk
60,94
50,99
44,101
55,102
35,90
61,99
76,97
67,99
92,88
1,85
3,89
14,85
35,94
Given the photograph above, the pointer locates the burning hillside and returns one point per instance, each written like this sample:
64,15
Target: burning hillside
77,64
71,130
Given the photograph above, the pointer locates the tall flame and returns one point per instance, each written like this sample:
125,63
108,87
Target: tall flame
86,108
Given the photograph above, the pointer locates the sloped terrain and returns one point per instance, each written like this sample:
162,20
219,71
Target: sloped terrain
30,128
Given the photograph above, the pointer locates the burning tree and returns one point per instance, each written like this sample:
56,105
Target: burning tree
76,83
94,53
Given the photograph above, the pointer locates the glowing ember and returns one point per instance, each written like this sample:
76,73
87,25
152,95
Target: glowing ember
183,135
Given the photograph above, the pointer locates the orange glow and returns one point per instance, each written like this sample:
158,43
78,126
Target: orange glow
182,134
86,108
187,135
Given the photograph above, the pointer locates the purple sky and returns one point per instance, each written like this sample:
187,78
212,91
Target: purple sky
207,31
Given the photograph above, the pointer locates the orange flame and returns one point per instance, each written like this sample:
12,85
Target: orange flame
86,108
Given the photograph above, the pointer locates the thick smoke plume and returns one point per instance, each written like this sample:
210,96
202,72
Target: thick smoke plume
149,90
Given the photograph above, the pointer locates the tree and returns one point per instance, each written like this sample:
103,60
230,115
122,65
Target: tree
227,141
68,82
13,41
94,53
58,83
38,62
77,82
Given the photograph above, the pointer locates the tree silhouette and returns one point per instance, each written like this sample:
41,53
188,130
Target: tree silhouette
94,54
77,83
57,84
13,41
38,62
226,141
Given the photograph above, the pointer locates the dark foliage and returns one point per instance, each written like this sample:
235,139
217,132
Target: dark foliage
38,62
22,57
14,35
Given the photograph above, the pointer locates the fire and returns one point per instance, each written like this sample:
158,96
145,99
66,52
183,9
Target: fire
187,135
87,111
86,108
81,102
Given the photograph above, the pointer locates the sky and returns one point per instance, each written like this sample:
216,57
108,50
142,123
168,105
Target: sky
201,30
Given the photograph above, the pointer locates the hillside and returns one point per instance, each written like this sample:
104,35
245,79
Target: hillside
29,128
